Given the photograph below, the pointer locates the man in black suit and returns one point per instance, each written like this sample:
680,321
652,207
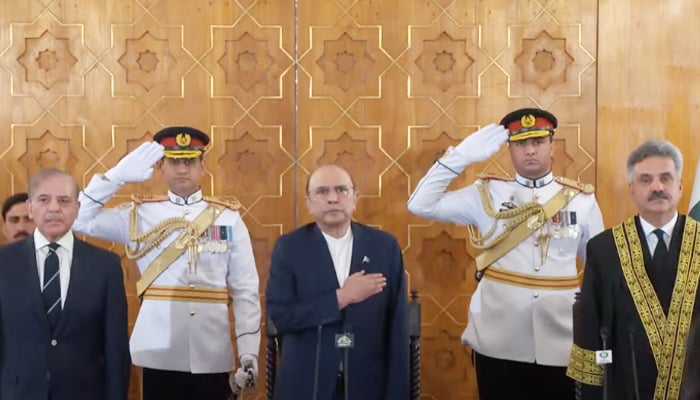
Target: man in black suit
16,222
63,313
639,298
337,295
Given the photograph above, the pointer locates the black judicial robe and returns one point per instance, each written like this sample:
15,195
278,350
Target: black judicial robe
644,316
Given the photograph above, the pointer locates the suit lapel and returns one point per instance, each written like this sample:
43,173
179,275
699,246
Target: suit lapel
358,255
31,280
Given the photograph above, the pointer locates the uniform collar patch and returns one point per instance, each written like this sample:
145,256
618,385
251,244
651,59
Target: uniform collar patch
535,183
195,197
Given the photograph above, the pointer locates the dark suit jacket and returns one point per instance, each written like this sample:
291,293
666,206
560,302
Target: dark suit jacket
301,301
87,357
606,302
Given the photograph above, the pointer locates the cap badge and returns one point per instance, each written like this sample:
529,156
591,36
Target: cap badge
527,121
183,139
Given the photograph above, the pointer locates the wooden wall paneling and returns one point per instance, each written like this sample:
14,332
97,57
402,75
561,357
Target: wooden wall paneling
648,87
379,89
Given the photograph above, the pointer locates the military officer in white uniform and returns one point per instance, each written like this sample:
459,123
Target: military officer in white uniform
530,230
195,255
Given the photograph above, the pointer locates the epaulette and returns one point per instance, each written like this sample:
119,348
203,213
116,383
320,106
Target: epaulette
494,177
141,199
583,187
232,204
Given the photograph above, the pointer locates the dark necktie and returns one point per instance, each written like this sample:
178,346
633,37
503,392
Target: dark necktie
660,252
52,287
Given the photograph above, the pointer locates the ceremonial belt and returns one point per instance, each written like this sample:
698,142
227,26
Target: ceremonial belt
525,229
184,293
533,282
187,239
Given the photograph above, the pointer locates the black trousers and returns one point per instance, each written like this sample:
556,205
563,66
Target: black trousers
511,380
176,385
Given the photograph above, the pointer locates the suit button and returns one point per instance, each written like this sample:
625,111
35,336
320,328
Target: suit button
192,313
535,295
48,376
54,342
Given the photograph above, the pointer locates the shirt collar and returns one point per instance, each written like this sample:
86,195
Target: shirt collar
66,241
195,197
346,237
535,183
648,228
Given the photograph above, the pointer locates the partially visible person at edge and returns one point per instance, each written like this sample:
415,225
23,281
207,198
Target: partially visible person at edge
529,229
195,255
63,313
637,313
17,223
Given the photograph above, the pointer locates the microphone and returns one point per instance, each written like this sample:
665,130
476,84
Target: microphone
604,332
633,356
346,363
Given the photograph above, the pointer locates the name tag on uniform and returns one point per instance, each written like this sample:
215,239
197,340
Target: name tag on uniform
603,357
344,340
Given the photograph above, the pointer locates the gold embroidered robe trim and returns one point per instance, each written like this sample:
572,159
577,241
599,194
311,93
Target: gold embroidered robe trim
667,335
583,367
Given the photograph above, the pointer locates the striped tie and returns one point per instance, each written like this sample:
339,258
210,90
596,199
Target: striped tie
52,287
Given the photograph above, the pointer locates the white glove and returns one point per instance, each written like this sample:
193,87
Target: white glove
483,143
136,166
245,378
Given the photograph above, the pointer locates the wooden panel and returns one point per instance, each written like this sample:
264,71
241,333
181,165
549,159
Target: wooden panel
379,89
649,87
384,90
83,83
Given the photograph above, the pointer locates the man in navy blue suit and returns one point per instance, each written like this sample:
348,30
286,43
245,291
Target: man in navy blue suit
337,295
63,313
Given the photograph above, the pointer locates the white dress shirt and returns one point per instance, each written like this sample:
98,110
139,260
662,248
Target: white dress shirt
65,258
652,239
341,254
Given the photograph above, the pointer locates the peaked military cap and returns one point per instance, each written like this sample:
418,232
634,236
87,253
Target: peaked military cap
182,141
527,123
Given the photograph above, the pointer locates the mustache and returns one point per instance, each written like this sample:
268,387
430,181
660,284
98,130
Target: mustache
658,195
21,234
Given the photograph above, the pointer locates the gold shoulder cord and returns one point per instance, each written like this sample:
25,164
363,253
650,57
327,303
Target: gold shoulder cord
146,241
518,215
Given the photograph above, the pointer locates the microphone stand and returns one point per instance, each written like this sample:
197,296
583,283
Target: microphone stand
317,362
606,373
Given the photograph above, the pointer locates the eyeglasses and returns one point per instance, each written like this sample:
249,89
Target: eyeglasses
325,191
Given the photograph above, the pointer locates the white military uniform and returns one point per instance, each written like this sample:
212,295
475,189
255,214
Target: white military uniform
512,321
188,336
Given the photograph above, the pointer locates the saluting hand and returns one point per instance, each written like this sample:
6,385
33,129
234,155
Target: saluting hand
136,166
483,143
360,286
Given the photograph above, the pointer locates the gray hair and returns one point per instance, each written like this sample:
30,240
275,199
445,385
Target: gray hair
654,148
45,174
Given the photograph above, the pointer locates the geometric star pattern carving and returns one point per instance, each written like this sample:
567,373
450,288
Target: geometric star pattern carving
444,60
345,62
46,144
251,160
146,60
46,59
397,119
354,148
249,61
545,60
